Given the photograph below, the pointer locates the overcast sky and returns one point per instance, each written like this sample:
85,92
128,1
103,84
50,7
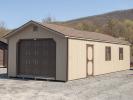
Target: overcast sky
16,12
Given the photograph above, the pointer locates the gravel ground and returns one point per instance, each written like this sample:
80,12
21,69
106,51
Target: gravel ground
114,86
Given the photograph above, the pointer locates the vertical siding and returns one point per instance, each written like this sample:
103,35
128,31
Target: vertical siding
77,58
61,50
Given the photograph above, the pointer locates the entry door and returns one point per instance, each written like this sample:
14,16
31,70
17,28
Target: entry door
90,68
37,57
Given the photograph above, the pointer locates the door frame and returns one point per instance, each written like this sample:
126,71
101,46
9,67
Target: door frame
89,45
18,53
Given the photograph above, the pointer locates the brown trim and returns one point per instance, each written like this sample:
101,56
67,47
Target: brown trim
94,40
7,57
67,72
17,56
86,60
25,25
55,57
17,53
121,51
107,49
89,45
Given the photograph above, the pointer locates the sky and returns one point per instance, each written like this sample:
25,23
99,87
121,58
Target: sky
17,12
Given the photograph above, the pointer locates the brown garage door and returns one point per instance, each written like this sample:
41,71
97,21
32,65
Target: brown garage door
37,57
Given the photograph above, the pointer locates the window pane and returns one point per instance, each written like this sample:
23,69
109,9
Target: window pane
108,53
120,53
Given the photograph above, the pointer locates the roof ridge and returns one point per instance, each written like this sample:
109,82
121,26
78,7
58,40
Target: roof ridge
113,39
77,29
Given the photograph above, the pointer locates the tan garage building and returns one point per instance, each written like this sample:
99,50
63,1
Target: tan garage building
61,53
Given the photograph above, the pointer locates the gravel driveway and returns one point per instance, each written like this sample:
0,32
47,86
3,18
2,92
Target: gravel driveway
114,86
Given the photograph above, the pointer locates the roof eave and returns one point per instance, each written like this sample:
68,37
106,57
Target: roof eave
25,25
96,40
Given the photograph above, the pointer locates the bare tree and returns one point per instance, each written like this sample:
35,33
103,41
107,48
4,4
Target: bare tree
3,29
48,19
2,24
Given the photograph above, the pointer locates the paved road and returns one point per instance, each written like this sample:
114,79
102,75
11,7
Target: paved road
114,86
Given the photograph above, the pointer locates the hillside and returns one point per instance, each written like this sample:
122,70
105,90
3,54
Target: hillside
103,18
118,24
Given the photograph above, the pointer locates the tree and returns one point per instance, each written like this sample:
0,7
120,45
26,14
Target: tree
48,19
129,27
86,27
109,28
128,23
3,29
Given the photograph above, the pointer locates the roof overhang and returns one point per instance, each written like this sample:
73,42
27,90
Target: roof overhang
26,25
96,40
15,31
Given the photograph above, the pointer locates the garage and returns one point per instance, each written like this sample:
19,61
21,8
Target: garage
37,57
62,53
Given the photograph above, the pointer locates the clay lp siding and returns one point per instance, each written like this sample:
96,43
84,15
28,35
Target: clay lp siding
27,33
77,58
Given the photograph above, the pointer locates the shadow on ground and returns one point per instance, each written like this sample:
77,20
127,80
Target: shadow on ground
3,73
3,76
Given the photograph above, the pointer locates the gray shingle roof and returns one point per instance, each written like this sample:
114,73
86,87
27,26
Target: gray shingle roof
70,32
73,33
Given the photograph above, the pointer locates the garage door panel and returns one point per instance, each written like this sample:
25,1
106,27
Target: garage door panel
37,57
